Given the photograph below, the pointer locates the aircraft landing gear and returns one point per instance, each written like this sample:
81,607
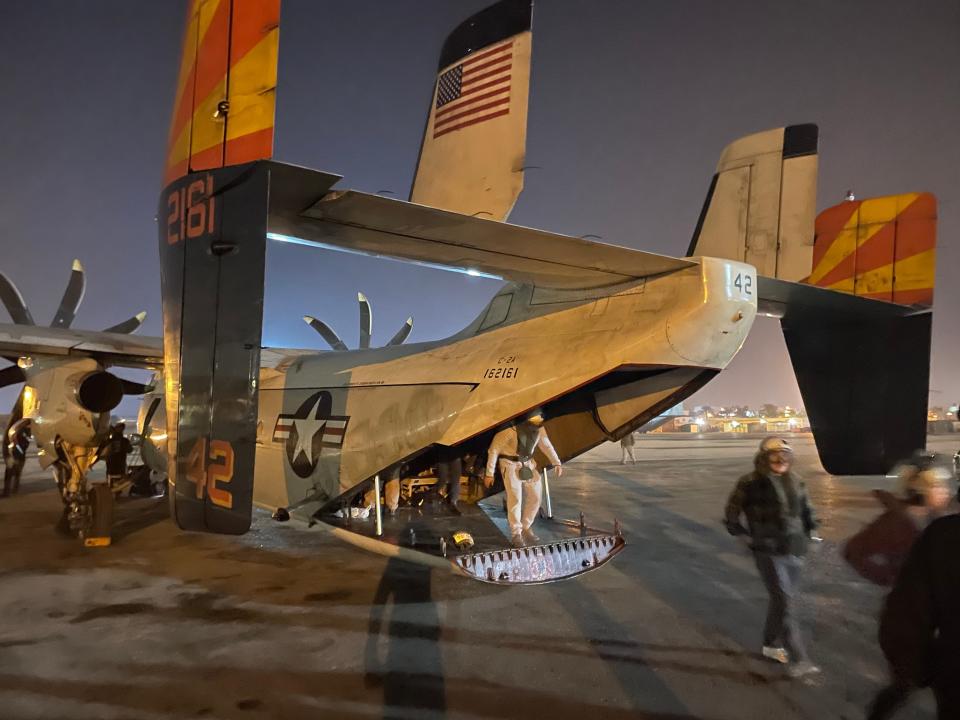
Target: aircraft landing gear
87,507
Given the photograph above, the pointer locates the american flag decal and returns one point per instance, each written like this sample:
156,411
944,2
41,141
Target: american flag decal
476,90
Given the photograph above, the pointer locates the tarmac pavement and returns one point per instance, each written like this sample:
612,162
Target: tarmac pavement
280,623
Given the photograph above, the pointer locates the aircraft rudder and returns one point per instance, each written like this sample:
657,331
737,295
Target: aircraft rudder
882,248
224,105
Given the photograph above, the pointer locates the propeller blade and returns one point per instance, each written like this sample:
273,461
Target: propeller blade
134,388
128,326
366,320
11,376
402,333
13,301
326,332
72,297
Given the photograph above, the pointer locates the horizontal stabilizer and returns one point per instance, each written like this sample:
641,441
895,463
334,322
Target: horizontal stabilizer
383,227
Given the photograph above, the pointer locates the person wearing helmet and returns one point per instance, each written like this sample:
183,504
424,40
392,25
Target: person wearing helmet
923,492
919,625
880,549
780,521
514,448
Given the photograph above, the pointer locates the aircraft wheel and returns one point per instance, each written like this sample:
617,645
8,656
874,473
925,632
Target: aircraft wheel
99,519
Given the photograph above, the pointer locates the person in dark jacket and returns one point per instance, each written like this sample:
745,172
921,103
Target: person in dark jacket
920,623
15,456
780,521
115,450
877,552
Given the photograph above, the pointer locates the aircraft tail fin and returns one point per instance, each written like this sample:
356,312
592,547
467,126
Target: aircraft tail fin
472,156
863,368
215,200
761,203
882,248
224,106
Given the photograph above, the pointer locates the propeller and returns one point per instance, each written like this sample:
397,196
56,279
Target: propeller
72,297
129,325
13,301
366,328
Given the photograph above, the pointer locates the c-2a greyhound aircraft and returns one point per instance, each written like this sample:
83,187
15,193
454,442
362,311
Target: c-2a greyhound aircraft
602,338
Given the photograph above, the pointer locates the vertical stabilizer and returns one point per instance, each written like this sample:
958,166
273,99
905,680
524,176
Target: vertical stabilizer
761,203
213,213
882,248
472,156
224,106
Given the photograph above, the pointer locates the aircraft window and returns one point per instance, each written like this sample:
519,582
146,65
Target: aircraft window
499,307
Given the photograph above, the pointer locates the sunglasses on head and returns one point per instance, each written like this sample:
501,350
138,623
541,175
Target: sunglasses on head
778,458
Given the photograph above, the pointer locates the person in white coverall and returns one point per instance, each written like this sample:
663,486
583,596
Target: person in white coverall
514,449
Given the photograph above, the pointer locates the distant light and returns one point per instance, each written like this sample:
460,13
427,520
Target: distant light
701,422
293,240
25,363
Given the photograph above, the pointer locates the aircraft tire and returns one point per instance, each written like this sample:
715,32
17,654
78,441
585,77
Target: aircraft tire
100,519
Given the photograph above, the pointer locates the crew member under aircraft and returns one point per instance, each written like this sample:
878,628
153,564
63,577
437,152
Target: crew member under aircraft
115,449
626,448
15,455
514,448
391,491
449,469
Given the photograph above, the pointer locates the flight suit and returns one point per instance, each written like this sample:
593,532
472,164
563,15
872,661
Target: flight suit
513,448
16,456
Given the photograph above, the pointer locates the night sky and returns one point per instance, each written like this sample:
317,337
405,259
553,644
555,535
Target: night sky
631,104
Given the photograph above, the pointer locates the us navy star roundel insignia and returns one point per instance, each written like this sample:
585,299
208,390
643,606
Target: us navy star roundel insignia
308,431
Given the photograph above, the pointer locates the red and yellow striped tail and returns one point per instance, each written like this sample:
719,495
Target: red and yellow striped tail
881,248
224,108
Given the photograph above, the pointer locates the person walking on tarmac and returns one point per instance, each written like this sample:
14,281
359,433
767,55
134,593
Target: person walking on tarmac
879,550
780,521
15,456
626,448
920,625
115,449
514,448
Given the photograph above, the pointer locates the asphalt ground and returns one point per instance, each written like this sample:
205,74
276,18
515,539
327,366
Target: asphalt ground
281,623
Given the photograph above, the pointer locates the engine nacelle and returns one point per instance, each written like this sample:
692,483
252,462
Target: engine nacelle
100,391
70,399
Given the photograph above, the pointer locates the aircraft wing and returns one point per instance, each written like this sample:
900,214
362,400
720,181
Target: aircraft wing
383,227
112,348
